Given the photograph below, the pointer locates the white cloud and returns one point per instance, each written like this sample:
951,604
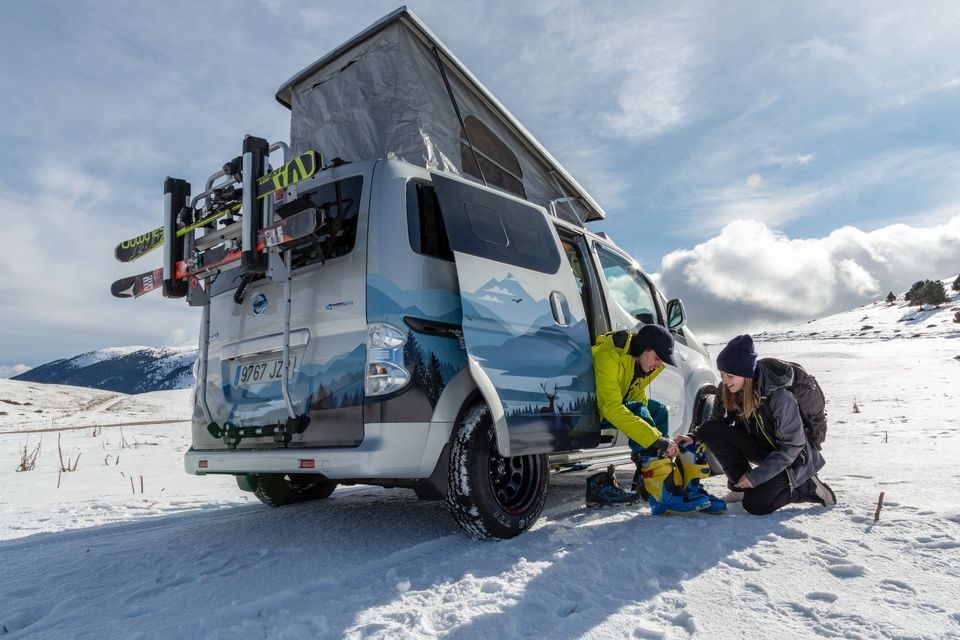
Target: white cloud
645,58
750,277
63,260
792,160
15,370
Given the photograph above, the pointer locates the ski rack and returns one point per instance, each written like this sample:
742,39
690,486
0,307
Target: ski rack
275,263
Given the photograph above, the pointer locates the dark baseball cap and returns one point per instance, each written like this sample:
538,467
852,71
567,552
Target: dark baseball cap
653,336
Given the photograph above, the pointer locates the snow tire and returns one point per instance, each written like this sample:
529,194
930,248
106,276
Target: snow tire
488,495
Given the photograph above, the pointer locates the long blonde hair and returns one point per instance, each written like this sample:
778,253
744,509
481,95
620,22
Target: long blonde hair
743,402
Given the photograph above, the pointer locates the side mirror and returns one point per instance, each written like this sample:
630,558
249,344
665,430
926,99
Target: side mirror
676,315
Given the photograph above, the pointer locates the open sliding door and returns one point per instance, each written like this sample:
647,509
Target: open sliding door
524,324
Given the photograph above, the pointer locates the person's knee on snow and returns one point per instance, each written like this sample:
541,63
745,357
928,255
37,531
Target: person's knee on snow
757,420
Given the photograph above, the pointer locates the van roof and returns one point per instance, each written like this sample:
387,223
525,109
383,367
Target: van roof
401,33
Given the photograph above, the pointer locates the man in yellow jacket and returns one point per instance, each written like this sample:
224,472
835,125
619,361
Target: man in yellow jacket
624,365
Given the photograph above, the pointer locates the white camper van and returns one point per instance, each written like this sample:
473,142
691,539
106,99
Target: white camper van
432,329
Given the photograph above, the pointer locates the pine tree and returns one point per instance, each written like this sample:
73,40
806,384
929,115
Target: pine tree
434,379
413,358
956,284
910,296
891,298
932,292
956,317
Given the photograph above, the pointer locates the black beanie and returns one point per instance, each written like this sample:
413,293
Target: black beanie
653,336
738,357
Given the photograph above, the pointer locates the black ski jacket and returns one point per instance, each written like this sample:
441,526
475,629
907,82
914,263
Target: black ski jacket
777,425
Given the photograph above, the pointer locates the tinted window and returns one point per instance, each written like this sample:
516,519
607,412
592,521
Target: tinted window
339,205
428,235
484,224
627,286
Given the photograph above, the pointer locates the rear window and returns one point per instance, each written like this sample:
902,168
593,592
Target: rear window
339,204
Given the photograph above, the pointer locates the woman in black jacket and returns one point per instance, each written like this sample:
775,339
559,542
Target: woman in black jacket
756,420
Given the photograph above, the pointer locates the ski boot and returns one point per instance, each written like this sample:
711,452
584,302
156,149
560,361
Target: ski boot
603,489
692,467
662,491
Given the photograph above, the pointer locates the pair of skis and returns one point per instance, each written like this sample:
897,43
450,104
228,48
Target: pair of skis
283,232
302,167
297,170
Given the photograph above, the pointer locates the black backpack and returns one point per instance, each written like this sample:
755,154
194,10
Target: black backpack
809,395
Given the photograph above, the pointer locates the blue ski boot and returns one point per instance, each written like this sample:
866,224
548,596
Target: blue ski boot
693,466
662,492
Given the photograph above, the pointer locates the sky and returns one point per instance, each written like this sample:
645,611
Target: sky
767,163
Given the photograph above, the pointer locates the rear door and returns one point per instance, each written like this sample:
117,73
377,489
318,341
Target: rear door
523,319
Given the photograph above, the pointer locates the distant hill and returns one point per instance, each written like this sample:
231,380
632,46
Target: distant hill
880,320
123,369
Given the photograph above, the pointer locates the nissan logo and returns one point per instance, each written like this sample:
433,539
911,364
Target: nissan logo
259,304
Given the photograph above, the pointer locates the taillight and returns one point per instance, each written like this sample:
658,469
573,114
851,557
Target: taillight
385,372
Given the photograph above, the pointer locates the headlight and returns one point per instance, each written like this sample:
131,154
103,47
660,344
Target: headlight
385,372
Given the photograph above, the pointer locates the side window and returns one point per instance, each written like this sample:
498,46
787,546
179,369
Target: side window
498,165
485,224
428,235
628,287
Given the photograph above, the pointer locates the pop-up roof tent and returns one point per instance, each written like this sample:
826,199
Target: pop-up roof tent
395,91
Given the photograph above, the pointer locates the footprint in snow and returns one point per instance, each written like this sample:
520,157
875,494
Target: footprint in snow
652,634
935,543
831,554
822,596
737,564
684,620
793,534
847,570
857,519
755,588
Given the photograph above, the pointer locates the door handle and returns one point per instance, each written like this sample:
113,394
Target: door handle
556,305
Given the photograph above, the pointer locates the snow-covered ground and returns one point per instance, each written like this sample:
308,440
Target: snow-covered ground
193,557
32,406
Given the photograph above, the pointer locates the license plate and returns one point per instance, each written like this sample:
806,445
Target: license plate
261,372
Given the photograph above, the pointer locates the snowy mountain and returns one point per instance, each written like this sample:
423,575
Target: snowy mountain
122,369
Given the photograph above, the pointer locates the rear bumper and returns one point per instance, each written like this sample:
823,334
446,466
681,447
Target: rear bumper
394,450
